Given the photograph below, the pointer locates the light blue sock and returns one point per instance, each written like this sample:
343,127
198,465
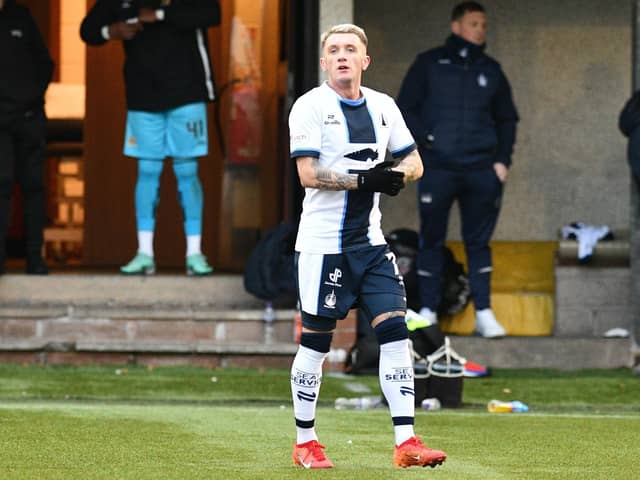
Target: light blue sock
146,195
190,194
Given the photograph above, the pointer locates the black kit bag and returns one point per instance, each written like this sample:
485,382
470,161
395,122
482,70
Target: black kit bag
455,293
363,356
403,242
269,271
439,375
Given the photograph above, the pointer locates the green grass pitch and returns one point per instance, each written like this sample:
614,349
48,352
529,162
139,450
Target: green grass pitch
192,423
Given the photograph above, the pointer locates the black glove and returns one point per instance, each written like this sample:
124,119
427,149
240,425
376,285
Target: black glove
381,179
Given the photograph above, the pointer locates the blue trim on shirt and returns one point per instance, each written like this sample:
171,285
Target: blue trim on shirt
353,103
305,153
345,204
404,151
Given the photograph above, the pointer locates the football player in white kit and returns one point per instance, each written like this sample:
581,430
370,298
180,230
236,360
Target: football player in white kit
340,133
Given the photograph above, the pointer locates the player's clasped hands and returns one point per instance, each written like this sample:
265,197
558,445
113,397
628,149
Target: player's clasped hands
128,29
124,30
381,178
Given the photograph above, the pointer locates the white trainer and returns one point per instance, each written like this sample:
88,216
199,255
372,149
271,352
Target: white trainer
429,315
487,325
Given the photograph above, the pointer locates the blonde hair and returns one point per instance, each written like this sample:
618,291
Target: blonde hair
344,28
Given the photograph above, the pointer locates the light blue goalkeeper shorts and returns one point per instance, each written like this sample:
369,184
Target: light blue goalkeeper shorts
180,132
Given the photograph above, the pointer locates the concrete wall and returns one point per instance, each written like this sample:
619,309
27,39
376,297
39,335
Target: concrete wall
333,12
569,63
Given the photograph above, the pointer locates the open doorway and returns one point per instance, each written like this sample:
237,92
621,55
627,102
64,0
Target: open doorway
258,55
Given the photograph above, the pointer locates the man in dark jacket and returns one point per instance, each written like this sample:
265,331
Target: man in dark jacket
168,81
628,122
457,102
25,73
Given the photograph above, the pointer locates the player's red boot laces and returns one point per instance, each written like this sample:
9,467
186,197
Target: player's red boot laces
413,453
310,455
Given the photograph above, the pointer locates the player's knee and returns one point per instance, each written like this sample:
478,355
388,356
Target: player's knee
186,171
149,169
185,168
391,330
318,341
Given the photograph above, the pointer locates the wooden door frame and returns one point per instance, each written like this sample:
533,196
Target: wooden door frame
110,230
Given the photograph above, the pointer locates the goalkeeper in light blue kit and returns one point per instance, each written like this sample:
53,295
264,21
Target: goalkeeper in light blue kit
340,133
168,81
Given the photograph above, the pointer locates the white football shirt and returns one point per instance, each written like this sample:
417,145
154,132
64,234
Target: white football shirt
346,136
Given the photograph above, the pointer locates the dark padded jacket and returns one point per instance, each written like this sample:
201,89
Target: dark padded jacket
628,122
167,64
25,64
458,105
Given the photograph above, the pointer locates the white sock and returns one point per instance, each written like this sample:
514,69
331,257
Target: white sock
429,315
306,377
396,376
193,245
145,243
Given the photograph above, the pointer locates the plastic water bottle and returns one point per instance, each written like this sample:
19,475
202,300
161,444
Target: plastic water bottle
496,406
431,404
269,317
269,314
357,403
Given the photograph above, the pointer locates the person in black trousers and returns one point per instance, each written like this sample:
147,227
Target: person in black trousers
26,70
458,105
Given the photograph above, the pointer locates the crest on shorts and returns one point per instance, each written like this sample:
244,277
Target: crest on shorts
330,300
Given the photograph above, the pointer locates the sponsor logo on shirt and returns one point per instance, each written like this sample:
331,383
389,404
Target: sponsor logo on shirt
299,139
331,120
17,33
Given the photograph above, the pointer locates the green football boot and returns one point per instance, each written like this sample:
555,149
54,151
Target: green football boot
142,264
197,265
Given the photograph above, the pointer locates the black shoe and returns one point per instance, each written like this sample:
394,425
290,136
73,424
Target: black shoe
37,266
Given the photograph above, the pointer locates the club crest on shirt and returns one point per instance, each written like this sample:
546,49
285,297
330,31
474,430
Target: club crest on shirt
17,33
482,80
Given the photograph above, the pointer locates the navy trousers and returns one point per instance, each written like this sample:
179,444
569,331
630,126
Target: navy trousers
22,157
479,195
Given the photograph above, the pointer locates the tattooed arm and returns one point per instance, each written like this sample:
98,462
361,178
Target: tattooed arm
411,166
312,175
